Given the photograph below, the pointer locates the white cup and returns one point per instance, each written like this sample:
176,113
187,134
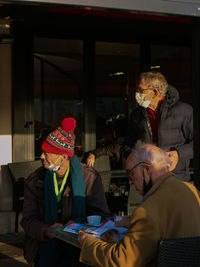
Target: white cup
94,220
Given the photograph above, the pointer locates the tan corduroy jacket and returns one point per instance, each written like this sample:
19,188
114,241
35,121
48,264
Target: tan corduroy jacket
171,209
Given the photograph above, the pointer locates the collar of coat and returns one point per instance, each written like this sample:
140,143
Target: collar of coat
159,182
172,96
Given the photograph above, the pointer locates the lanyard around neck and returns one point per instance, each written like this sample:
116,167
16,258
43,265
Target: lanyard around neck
59,192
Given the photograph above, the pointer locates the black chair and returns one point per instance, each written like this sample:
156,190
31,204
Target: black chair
102,165
180,252
18,172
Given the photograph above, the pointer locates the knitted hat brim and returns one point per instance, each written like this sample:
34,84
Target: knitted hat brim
50,149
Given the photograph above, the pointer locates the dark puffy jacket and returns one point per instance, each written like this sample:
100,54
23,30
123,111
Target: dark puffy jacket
33,220
175,130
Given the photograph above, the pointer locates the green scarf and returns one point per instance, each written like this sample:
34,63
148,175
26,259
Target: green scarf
78,188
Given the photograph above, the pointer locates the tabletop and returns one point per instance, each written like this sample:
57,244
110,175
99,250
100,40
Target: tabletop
67,237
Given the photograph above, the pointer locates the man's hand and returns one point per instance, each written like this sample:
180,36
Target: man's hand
90,160
173,155
111,235
81,237
69,222
47,231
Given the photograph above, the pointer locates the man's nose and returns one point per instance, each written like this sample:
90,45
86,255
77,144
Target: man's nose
42,156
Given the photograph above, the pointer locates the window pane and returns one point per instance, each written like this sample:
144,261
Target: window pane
58,81
117,66
175,64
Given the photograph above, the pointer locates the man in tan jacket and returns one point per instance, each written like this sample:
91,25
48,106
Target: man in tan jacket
170,208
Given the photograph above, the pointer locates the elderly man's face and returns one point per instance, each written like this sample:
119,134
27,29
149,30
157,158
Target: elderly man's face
135,174
144,89
49,159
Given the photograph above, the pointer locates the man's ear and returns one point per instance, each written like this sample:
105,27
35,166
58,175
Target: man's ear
65,156
148,168
156,92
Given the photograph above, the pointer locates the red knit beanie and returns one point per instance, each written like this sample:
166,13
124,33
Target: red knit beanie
61,141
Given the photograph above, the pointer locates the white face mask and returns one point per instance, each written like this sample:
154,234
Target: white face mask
140,98
54,168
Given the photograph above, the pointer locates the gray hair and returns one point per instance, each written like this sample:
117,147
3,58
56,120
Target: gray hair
155,80
153,155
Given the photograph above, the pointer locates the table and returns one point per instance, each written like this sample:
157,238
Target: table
67,237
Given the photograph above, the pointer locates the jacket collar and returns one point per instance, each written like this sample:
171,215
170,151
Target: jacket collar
155,186
172,96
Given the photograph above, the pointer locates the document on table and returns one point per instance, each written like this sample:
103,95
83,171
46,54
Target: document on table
99,231
107,231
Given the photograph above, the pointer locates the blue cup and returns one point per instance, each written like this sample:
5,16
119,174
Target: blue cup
94,220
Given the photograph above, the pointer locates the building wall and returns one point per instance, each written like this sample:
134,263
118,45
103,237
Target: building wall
5,104
6,190
179,7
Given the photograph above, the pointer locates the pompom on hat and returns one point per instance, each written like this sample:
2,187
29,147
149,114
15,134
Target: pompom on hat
62,140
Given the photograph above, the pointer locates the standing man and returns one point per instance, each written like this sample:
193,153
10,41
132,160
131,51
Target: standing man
59,193
161,119
170,208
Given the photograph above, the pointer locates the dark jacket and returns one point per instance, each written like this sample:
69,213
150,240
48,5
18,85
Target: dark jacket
175,130
33,220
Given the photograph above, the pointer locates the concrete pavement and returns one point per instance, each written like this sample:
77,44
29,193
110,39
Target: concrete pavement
11,250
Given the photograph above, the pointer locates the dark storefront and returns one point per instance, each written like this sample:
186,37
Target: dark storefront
84,63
